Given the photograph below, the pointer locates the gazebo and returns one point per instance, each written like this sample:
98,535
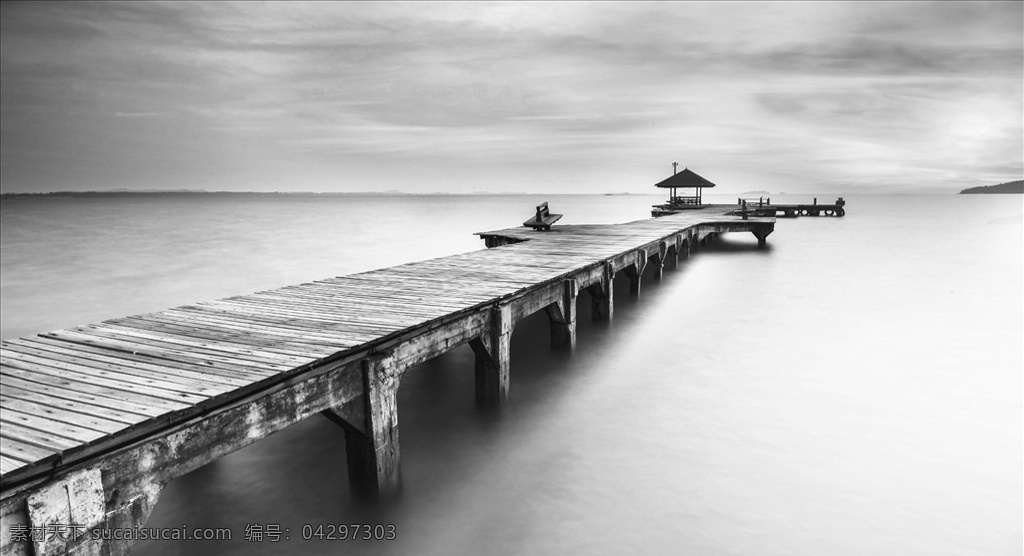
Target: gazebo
685,179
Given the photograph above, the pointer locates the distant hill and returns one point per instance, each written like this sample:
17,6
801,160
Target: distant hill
1008,187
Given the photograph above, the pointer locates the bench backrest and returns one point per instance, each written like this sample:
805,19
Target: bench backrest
542,211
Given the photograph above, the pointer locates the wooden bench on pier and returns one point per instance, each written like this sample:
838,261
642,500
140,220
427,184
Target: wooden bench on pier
543,219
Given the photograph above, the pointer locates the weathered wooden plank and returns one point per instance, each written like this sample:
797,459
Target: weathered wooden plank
354,305
482,272
268,329
464,287
143,360
318,319
470,290
205,330
367,320
120,416
215,348
169,354
219,342
180,389
59,414
48,426
46,385
45,440
24,452
440,290
188,379
313,330
510,273
394,304
8,464
329,297
92,385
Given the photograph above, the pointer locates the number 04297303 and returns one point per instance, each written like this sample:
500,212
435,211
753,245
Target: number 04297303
350,532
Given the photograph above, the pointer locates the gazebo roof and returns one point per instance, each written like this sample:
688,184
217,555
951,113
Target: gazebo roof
686,178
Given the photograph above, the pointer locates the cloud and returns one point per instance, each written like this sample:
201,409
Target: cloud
141,114
105,92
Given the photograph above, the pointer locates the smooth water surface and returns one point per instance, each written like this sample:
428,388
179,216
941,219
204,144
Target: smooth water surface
856,388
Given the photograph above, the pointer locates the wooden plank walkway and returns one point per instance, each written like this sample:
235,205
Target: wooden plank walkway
87,399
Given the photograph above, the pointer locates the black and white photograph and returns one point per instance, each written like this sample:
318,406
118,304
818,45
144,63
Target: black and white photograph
504,278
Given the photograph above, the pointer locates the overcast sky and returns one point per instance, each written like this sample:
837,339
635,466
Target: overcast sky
540,97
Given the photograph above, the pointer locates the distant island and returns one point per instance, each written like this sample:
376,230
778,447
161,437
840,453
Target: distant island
1008,187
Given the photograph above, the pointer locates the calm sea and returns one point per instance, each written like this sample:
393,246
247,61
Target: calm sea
856,388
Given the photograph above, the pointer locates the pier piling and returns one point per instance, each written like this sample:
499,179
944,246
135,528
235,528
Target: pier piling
602,295
374,461
492,351
562,316
635,272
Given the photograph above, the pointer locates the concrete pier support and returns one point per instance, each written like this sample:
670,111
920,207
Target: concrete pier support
562,316
70,507
59,517
126,509
602,296
371,443
492,357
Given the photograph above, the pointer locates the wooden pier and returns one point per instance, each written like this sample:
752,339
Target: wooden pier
96,419
764,208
